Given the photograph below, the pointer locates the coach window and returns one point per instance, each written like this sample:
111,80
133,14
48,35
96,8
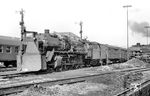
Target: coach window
1,49
8,49
16,49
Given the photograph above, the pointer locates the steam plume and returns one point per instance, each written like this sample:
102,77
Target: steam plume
139,27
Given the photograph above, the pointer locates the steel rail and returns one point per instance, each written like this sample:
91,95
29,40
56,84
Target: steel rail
139,87
22,86
130,91
7,69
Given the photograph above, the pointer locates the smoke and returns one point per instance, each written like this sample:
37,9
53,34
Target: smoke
139,27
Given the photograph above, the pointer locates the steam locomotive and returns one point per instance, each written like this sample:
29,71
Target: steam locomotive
60,52
47,51
57,51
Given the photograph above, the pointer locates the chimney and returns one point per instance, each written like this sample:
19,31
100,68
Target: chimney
138,44
46,31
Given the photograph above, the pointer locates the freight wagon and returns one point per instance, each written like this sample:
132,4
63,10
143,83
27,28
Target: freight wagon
113,54
102,54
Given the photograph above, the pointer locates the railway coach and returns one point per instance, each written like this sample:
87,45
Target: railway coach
9,47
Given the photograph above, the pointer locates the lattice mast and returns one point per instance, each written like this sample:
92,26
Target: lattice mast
23,29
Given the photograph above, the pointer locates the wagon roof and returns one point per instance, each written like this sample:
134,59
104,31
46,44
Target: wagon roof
115,47
5,40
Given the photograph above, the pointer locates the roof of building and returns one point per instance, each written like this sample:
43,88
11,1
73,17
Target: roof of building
5,40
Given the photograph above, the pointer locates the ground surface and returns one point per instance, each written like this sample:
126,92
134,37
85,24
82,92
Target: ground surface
106,85
103,86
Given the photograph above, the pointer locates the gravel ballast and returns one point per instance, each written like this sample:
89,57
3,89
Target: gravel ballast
105,85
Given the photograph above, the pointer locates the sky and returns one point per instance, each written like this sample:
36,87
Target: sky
104,21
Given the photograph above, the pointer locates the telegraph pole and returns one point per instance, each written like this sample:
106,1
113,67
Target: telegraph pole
127,6
81,24
147,32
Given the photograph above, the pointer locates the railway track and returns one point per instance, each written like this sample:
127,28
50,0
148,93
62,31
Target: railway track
132,90
3,69
21,86
137,87
11,75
